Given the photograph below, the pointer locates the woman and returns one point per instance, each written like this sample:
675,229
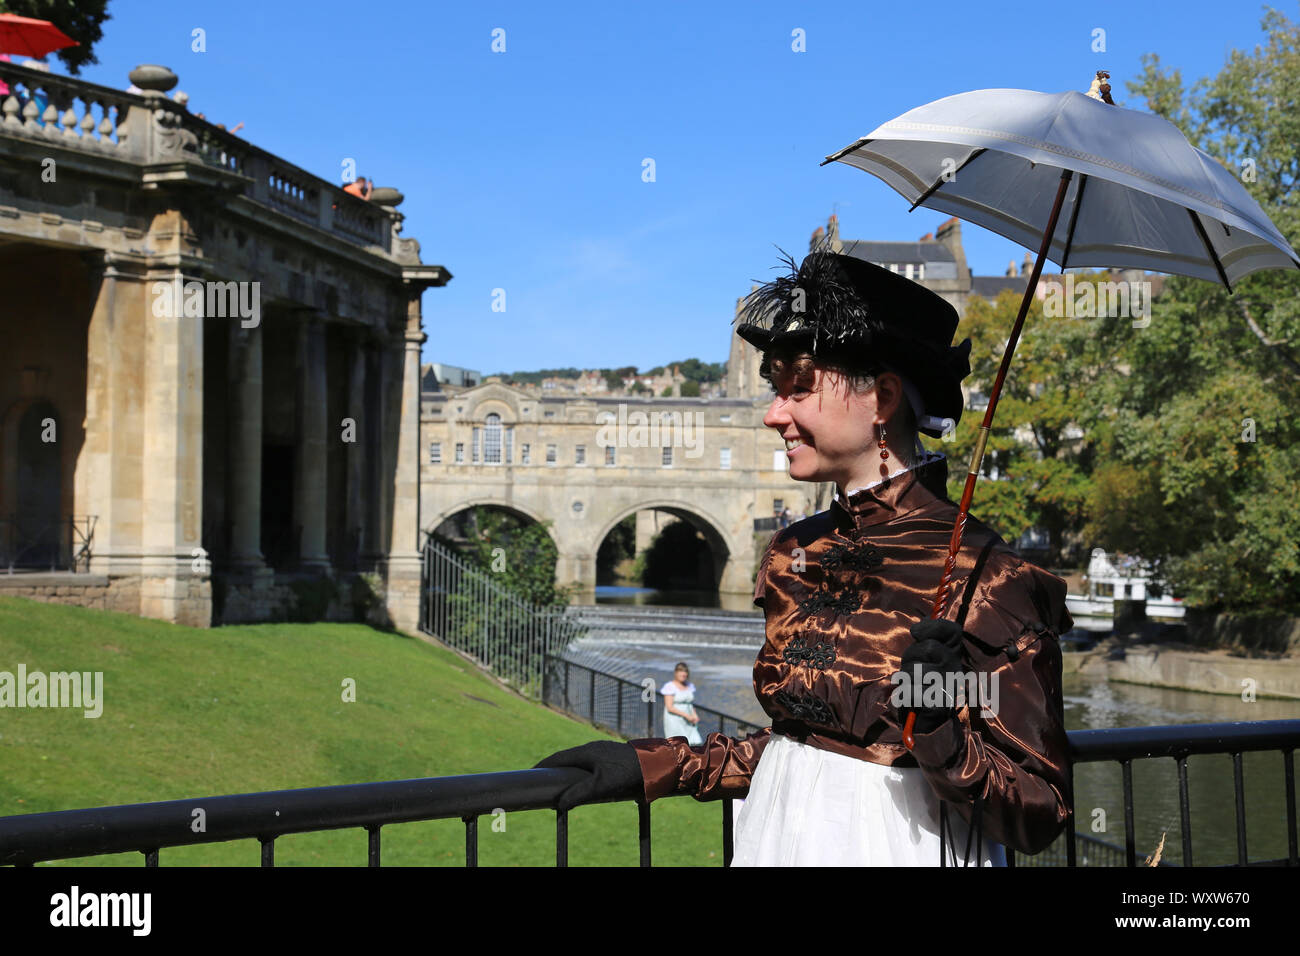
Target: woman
860,360
679,706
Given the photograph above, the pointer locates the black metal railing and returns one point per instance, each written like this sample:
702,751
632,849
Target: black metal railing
148,828
622,705
1177,743
465,609
33,545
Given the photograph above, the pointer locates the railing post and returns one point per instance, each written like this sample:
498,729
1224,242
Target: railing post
643,830
561,838
1288,771
471,840
728,831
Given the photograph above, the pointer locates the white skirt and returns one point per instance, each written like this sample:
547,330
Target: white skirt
813,807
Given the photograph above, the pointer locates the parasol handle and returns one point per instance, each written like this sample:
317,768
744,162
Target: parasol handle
977,455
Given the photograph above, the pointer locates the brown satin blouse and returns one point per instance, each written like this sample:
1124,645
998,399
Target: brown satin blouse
840,591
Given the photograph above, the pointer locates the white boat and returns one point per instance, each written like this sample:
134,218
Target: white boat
1125,579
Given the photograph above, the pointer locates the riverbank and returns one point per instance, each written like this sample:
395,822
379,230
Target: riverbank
1164,663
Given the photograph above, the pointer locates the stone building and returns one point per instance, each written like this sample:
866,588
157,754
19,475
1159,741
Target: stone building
584,464
209,393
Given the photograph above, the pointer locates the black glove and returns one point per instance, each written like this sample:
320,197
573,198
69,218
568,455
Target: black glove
613,768
938,649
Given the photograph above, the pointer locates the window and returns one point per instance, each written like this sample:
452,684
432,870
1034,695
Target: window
476,445
609,454
779,460
435,453
525,454
492,440
668,456
548,414
460,453
724,419
778,505
551,454
724,456
510,445
580,455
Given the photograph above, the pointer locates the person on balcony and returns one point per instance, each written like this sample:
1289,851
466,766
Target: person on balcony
860,359
679,706
359,187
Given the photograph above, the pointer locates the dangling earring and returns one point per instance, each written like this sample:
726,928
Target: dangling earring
884,451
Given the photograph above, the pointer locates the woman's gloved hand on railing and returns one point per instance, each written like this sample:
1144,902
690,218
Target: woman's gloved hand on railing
613,768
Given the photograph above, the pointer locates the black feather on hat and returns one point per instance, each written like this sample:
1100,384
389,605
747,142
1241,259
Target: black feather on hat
861,317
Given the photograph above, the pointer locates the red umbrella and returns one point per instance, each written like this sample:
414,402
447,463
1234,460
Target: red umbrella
26,36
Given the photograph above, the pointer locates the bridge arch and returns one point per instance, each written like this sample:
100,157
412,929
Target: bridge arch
713,529
723,550
492,501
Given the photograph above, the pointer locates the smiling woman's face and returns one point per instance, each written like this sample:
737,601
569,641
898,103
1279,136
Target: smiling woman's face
829,427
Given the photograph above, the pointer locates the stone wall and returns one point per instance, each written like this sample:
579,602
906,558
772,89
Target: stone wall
82,590
1209,671
1250,634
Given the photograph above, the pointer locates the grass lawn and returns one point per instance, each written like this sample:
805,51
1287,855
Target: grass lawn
195,713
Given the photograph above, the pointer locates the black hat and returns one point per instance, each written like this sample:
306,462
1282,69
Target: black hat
859,316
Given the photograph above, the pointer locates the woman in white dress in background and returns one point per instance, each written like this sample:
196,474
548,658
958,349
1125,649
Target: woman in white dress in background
679,706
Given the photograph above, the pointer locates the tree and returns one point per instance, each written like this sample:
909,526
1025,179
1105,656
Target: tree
520,555
81,20
1201,454
690,389
1040,448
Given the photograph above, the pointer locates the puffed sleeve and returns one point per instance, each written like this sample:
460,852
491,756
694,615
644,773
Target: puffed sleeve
1016,757
720,767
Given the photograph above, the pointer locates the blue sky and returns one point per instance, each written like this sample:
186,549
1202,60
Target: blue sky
522,170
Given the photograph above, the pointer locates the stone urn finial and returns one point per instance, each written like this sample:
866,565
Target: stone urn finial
151,77
386,196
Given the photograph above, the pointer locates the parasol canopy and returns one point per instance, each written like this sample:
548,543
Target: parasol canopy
1142,196
26,36
1082,181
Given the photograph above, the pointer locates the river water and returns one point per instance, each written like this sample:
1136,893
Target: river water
722,674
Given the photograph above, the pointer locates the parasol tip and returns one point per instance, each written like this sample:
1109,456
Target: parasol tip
1100,88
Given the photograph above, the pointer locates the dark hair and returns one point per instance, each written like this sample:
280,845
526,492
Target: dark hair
860,376
777,362
681,666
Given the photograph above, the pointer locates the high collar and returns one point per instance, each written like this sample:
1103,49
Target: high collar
894,496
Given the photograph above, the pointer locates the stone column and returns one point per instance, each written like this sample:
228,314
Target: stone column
244,454
375,469
403,564
355,517
310,475
175,583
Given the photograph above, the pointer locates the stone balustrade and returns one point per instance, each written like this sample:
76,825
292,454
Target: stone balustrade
164,140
